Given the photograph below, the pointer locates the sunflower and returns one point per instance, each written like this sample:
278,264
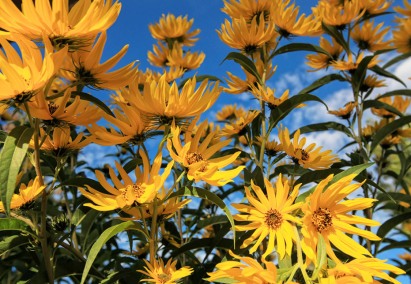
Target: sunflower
163,102
338,15
398,102
344,112
26,194
267,95
350,66
307,157
171,29
326,215
362,270
197,157
128,193
272,147
230,112
287,24
245,36
24,73
159,56
63,110
164,274
370,82
322,61
185,59
74,28
406,11
374,7
402,36
128,119
247,9
85,69
270,215
245,271
370,37
238,127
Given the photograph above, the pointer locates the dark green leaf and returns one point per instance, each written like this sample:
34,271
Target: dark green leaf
379,105
380,71
11,157
299,47
333,31
359,74
388,129
245,62
12,242
325,126
11,224
395,245
202,243
3,136
321,82
397,59
94,100
401,92
352,170
315,176
388,225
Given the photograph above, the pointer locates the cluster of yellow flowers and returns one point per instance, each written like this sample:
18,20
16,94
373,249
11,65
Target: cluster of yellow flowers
50,59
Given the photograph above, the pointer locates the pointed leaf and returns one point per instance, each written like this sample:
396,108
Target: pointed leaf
321,82
359,74
388,129
352,170
11,157
325,126
333,31
379,104
12,242
388,225
299,47
94,100
397,59
12,224
380,71
401,92
245,62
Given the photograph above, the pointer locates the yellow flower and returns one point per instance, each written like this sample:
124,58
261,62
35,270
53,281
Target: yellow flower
344,112
128,193
287,24
230,112
373,7
370,37
271,147
159,56
73,28
245,271
171,29
271,215
350,65
370,82
362,270
399,102
60,143
239,126
24,73
163,102
164,274
26,194
267,95
247,9
63,110
185,59
307,157
326,215
247,37
85,68
406,11
402,36
338,15
320,60
197,157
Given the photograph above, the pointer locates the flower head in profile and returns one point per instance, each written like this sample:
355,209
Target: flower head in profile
402,35
309,157
400,103
73,28
271,215
361,270
85,68
267,95
373,7
370,37
24,73
327,215
230,112
322,61
247,9
164,274
125,192
186,60
338,15
27,193
350,65
239,125
344,112
244,270
173,29
197,156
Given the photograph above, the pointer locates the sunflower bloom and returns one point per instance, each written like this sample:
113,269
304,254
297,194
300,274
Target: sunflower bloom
287,24
165,274
85,67
268,95
245,271
370,82
338,15
159,56
322,61
247,9
270,215
230,112
197,157
24,73
362,270
27,193
399,102
247,37
370,37
373,7
127,193
326,213
239,125
171,29
344,112
350,65
74,28
406,11
185,59
163,102
63,110
402,36
307,157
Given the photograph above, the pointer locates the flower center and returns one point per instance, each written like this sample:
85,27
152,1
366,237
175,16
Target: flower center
194,157
52,107
164,277
136,189
322,219
304,154
273,219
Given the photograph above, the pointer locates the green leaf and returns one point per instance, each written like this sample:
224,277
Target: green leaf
288,105
11,224
11,157
359,74
299,47
318,175
94,100
207,195
397,59
333,31
382,72
245,62
3,136
352,170
321,82
325,126
396,244
321,256
12,242
196,243
401,92
388,129
388,225
100,242
199,78
380,104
